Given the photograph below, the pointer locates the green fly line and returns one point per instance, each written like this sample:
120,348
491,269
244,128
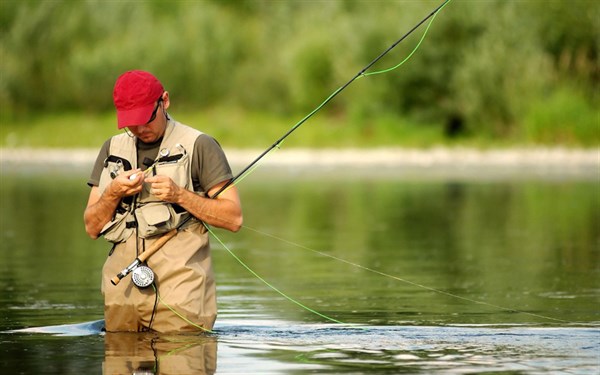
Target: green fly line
412,52
251,167
200,327
271,285
277,145
362,74
372,270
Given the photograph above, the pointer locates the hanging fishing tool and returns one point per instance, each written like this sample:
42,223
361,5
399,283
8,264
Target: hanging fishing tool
143,276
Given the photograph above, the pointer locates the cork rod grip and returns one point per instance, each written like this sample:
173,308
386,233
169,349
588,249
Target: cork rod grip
157,245
115,280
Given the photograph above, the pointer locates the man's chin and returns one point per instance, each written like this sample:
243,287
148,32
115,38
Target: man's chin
147,138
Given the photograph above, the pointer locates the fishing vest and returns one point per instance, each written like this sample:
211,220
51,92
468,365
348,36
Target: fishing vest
144,212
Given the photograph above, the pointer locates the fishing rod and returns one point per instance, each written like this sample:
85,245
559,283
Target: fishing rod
335,93
143,276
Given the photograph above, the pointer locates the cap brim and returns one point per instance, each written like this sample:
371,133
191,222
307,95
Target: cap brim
134,117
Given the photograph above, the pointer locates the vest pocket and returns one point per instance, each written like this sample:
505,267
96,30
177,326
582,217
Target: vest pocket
154,218
117,230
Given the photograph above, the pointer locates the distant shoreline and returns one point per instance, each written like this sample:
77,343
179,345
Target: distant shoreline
585,162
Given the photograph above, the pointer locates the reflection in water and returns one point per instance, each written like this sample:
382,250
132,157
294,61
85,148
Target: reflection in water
148,353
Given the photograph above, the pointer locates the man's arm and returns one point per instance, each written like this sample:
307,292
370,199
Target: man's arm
101,207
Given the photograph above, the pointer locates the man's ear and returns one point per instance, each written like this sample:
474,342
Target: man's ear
165,99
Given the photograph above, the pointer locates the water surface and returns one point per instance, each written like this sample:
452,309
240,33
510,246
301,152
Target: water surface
429,274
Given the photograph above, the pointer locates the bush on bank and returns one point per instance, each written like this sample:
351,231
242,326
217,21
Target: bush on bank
500,70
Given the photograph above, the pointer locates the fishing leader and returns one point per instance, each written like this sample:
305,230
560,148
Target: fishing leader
148,181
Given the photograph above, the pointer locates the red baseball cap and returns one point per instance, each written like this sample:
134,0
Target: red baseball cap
135,95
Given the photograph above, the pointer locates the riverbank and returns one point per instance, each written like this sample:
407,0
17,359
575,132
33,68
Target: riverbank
555,161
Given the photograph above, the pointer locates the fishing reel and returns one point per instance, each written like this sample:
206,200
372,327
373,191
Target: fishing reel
142,276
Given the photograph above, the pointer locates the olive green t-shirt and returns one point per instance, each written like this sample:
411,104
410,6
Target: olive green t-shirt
209,163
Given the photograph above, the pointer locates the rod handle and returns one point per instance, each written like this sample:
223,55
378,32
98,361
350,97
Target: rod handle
115,280
157,245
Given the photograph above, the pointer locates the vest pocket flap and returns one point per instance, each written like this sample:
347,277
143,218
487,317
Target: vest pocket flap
155,214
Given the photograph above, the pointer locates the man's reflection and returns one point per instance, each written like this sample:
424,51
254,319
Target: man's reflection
150,353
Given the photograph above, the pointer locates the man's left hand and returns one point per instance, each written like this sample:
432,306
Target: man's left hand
164,188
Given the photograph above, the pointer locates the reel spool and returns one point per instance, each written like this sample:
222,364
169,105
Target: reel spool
142,276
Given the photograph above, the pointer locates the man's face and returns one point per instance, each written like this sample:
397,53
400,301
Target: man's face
154,129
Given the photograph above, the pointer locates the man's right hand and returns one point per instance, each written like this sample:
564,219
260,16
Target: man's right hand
126,184
101,206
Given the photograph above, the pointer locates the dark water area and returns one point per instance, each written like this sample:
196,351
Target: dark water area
426,274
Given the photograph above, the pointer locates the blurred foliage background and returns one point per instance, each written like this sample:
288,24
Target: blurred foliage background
493,71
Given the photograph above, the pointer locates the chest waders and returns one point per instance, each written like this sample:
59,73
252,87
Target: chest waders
182,270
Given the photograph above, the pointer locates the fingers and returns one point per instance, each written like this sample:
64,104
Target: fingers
133,179
128,183
136,176
157,179
163,188
132,182
133,175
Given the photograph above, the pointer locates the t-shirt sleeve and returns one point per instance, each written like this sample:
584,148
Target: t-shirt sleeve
209,164
94,179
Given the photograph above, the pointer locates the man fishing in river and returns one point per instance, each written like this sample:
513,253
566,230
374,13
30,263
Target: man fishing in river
159,176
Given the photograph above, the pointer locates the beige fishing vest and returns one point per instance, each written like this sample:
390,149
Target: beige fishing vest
147,213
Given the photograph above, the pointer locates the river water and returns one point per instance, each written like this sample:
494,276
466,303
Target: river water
336,271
